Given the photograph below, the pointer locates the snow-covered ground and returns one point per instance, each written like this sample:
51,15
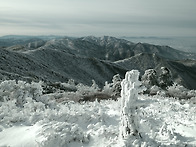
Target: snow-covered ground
29,118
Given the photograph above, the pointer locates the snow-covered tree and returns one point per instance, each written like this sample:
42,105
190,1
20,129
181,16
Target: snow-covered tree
131,86
150,78
116,85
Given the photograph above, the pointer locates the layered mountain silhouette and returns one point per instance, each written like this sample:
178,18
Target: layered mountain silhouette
58,59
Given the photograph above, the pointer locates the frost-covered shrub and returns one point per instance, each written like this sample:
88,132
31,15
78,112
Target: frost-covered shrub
70,91
89,93
109,91
113,89
21,102
155,83
149,78
179,91
165,78
19,91
64,133
154,90
84,90
150,81
59,87
108,88
116,85
95,86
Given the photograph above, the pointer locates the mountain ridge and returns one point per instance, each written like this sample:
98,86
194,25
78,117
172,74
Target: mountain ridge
86,58
109,48
55,66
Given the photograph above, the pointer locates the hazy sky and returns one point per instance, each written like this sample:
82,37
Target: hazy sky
98,17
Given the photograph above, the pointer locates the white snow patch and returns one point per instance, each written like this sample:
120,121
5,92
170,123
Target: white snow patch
18,136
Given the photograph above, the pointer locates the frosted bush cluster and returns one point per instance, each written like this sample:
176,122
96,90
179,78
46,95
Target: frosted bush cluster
62,124
163,85
19,91
63,133
180,92
150,80
56,119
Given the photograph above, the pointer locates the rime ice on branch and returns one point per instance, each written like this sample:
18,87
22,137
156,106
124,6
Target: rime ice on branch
131,86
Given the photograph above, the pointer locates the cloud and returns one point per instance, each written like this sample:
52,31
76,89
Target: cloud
152,17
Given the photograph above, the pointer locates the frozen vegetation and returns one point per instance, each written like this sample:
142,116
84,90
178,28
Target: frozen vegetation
138,116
